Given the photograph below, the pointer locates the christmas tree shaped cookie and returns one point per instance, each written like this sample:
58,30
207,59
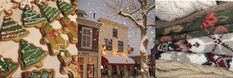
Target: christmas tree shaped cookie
43,73
31,18
69,64
53,39
65,7
50,13
30,55
11,30
7,67
70,28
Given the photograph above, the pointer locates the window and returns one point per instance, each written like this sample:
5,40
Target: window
120,46
86,38
114,32
108,43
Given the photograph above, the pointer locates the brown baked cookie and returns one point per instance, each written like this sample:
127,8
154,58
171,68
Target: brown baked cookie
70,28
30,55
65,7
51,13
7,67
69,64
42,73
11,30
24,3
53,39
31,18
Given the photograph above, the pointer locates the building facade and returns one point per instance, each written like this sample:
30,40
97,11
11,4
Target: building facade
88,47
113,42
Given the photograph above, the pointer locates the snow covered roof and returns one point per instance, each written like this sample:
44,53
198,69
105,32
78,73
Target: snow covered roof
119,60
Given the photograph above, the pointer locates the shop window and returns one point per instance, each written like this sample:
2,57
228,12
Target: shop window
120,46
90,71
80,66
86,38
108,43
114,32
90,68
114,70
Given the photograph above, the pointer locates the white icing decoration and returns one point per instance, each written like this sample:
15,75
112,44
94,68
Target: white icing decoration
73,17
6,5
56,24
2,68
2,59
62,53
23,3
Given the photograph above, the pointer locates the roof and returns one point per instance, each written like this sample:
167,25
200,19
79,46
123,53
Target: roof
119,60
90,23
106,20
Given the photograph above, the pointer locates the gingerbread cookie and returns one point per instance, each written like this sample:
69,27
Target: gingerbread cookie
50,13
7,67
70,28
69,64
42,73
31,18
7,6
11,30
65,7
53,39
24,3
30,55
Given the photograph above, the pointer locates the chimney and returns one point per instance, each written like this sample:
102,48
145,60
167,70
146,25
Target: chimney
93,15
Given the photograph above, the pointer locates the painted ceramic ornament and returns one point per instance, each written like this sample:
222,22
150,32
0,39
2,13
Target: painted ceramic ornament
31,55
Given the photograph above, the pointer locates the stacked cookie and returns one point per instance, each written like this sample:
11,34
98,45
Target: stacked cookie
45,19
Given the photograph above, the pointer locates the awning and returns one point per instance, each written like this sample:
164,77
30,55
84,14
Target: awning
117,60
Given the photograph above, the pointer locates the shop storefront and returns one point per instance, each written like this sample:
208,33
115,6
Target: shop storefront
88,67
117,66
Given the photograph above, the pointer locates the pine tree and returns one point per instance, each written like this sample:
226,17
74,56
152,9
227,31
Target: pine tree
11,30
7,67
31,18
30,55
65,7
50,13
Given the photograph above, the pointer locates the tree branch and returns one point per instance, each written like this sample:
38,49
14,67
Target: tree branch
149,9
135,11
131,18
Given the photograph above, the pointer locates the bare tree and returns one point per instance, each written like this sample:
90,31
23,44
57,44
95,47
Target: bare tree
137,11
